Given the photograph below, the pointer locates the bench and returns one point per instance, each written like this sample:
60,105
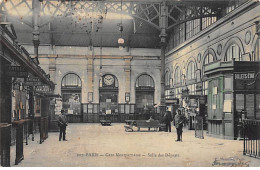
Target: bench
142,124
105,122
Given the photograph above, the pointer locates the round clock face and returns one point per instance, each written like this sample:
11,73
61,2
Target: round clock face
108,80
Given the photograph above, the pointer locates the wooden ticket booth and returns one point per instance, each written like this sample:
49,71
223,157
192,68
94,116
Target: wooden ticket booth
233,86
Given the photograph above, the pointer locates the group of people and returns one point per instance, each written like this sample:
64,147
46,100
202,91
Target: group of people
178,122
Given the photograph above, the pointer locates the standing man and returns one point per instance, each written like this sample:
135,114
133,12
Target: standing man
62,123
179,120
167,120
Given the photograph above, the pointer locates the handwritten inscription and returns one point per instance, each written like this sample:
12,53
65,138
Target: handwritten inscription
230,162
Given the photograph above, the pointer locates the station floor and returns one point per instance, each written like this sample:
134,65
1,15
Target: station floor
93,145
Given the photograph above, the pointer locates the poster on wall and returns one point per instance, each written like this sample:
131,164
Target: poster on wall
227,106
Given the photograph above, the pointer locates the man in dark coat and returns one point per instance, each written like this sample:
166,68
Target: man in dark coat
62,122
167,121
179,120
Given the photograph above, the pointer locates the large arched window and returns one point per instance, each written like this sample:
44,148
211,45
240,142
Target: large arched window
144,94
71,94
177,75
71,80
233,51
191,74
144,81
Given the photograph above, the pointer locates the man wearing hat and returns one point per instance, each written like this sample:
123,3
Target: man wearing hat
62,123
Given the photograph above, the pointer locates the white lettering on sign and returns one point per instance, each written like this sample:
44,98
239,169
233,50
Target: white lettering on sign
244,75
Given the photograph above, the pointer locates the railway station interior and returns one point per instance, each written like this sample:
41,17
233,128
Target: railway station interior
112,65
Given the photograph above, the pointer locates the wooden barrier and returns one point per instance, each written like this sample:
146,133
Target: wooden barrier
5,137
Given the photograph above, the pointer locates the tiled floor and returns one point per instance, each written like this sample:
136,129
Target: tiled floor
91,145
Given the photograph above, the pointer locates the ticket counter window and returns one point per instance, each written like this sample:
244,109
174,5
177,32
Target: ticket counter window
71,94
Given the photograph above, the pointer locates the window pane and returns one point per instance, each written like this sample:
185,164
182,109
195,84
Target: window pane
228,83
250,106
258,106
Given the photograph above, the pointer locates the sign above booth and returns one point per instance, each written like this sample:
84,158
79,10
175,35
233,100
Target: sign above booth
244,76
33,81
16,71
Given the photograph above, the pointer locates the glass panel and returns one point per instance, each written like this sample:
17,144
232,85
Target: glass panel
95,108
144,81
250,106
240,102
90,108
258,106
122,108
71,80
228,83
127,109
132,108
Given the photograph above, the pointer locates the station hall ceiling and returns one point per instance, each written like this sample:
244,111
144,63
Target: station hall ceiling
96,23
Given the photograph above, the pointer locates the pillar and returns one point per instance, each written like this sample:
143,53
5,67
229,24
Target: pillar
36,12
127,69
163,35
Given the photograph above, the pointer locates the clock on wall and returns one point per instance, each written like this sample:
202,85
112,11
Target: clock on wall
109,80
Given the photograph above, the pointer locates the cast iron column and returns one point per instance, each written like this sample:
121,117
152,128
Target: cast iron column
36,12
163,35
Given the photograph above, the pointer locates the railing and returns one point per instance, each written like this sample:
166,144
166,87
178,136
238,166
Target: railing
5,137
74,118
252,138
199,127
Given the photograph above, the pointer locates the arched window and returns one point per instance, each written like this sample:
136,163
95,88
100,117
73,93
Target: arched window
257,50
177,75
191,71
71,80
233,51
209,58
144,81
71,94
167,78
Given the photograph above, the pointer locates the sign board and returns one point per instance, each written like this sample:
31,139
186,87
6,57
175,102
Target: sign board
172,101
244,76
32,79
16,71
42,89
30,83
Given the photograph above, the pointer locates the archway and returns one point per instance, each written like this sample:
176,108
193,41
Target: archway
144,94
71,94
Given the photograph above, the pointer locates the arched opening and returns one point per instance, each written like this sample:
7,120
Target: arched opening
209,58
233,51
177,82
71,94
108,94
144,94
257,50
